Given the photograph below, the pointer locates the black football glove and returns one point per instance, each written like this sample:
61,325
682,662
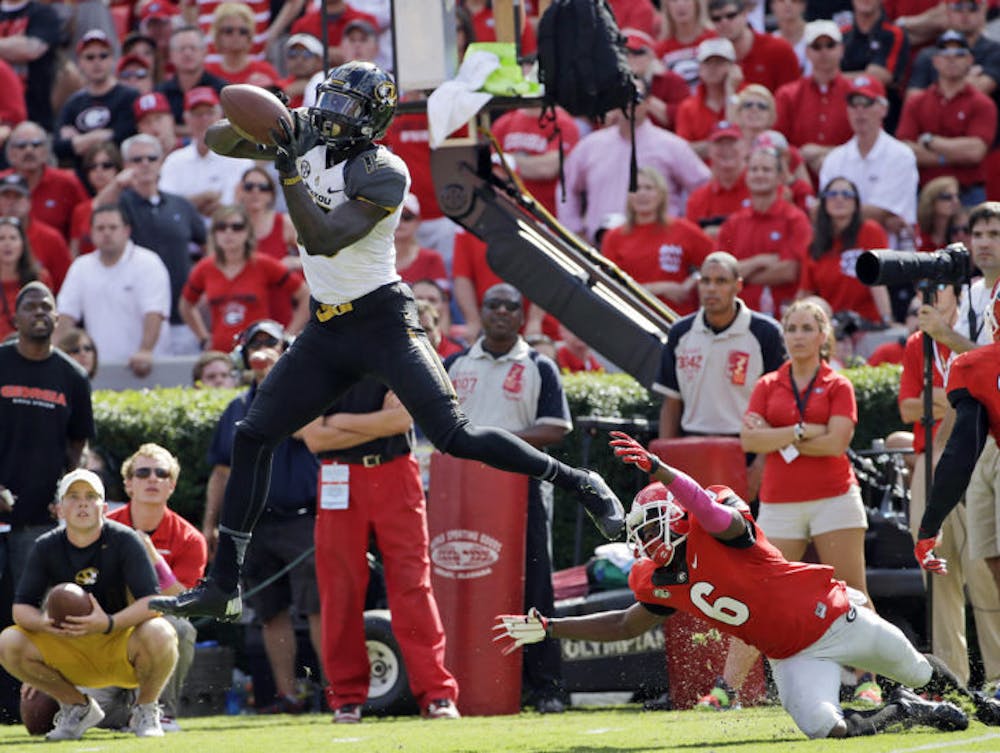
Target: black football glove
291,142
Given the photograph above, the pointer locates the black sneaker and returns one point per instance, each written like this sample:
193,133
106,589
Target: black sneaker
987,708
601,504
204,600
941,715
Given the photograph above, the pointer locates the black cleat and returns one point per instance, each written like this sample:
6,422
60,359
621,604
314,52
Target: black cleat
204,600
987,708
601,504
941,715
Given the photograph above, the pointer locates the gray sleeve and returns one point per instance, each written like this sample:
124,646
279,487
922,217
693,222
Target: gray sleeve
377,176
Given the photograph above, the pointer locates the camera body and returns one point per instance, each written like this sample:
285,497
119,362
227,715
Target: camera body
952,264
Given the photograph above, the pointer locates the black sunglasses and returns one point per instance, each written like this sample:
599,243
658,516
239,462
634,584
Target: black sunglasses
102,165
249,186
35,143
151,158
495,304
236,227
128,75
839,193
241,30
725,16
161,473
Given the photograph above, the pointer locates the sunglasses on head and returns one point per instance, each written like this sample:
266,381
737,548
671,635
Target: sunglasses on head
161,473
841,193
495,304
236,227
249,186
81,349
151,158
725,16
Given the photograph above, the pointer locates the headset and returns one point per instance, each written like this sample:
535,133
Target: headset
240,354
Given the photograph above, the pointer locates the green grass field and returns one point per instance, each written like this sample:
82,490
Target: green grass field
627,729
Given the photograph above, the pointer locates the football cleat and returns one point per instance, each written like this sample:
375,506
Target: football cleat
987,708
941,715
601,504
719,698
204,600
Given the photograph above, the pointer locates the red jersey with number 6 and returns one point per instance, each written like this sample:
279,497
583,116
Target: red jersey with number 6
977,372
751,592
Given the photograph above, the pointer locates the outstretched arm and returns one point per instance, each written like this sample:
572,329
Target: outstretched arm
516,630
722,522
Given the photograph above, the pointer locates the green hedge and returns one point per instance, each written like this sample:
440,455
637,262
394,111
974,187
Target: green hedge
182,420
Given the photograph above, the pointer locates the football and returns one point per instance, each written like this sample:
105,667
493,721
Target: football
253,111
67,599
38,712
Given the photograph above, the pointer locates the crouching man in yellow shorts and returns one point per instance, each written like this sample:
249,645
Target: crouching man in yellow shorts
121,642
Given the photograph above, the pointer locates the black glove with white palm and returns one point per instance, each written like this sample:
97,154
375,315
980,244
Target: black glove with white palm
520,629
291,142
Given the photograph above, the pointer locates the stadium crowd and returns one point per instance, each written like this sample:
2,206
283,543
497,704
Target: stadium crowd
792,135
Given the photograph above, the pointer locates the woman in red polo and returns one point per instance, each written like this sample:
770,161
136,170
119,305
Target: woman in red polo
237,283
660,252
801,417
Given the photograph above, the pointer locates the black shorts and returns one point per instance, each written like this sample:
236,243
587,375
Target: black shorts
275,544
379,337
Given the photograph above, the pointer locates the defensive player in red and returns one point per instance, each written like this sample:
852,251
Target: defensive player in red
974,393
700,552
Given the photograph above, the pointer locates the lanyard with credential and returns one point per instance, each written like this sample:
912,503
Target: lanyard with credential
803,399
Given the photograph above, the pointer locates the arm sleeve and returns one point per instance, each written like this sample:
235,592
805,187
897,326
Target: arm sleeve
377,176
194,286
140,577
220,450
953,471
81,420
668,365
908,128
188,559
552,404
843,401
772,344
34,578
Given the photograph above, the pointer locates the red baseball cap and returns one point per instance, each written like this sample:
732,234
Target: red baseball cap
200,95
94,36
866,86
637,40
725,130
158,9
148,104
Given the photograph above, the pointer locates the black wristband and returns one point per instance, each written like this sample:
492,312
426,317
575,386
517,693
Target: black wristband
654,463
111,625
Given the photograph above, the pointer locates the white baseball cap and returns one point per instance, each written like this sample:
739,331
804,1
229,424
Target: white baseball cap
822,28
81,474
716,47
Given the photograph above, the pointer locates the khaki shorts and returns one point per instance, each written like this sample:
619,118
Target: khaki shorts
804,520
93,661
982,504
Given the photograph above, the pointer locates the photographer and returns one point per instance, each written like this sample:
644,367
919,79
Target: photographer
971,457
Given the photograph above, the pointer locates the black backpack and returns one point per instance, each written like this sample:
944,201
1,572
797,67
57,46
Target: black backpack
582,64
581,58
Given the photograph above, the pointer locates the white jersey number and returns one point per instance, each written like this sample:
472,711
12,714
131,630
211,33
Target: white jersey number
725,609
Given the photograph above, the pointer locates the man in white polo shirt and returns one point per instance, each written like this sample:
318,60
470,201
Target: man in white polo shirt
120,294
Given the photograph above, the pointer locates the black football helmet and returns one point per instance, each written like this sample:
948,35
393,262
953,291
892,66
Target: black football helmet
354,104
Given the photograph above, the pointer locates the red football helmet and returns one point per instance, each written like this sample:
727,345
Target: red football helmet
656,524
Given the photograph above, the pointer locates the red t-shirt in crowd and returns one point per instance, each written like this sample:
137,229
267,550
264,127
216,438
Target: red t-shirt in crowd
890,352
484,26
658,253
811,114
569,361
243,75
968,113
235,303
807,477
50,250
13,108
54,197
428,265
782,229
771,62
911,380
832,276
695,118
712,204
181,544
682,58
520,131
409,139
311,23
672,89
273,245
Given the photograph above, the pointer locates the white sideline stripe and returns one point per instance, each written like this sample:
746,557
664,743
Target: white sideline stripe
940,746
